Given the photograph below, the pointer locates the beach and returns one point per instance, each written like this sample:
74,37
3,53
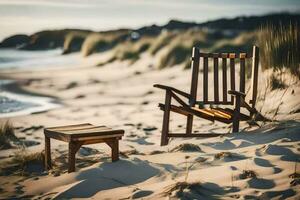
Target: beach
258,162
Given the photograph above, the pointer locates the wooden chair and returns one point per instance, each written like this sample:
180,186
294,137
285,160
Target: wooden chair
190,106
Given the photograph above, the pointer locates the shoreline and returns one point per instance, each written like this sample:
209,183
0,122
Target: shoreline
23,102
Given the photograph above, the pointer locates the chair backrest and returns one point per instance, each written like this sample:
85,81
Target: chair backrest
220,60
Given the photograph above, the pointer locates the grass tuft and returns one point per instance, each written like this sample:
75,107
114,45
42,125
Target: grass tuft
7,135
248,174
276,83
23,158
187,147
24,163
223,155
178,189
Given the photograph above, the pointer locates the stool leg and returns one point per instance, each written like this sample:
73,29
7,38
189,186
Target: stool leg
72,152
115,150
48,164
114,145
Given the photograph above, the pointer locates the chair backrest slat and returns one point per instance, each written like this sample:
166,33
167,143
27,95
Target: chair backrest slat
205,79
254,75
224,75
195,71
232,73
216,78
242,72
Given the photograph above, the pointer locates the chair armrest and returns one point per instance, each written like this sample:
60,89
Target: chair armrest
236,93
164,87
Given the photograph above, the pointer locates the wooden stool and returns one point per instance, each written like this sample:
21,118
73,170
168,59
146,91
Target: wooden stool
81,134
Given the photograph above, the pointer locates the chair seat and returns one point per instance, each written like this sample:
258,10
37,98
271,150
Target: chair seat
215,112
224,115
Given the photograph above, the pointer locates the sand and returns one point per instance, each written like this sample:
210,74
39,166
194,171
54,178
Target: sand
256,163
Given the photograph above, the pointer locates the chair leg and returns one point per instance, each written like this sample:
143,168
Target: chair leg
166,120
189,124
236,115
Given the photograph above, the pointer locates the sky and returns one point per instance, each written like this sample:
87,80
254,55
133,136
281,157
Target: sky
29,16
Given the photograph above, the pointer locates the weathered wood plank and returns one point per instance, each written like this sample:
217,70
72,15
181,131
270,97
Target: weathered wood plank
97,137
224,79
114,145
232,75
195,73
216,79
166,119
96,129
205,79
70,127
242,73
254,74
48,164
71,157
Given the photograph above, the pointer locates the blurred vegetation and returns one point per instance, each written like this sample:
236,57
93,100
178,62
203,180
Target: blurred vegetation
163,40
276,83
99,42
7,135
29,162
73,41
131,50
179,49
280,47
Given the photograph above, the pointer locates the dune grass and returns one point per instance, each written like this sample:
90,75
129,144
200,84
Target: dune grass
23,163
180,47
242,42
177,54
280,47
25,160
7,135
73,41
99,42
163,40
131,50
276,83
110,60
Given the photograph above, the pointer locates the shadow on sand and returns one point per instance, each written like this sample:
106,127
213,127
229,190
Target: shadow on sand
109,176
287,130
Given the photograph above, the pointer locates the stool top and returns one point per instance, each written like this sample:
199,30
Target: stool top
77,131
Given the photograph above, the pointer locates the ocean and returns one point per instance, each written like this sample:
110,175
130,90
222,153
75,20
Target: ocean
13,103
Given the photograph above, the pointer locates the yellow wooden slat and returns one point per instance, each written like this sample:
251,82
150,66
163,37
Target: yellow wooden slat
71,127
90,130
